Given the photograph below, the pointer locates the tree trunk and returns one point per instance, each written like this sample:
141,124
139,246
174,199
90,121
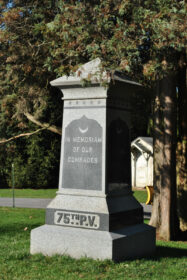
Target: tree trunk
182,150
164,213
158,158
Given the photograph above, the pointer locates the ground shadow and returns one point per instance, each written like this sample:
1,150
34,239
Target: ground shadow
168,252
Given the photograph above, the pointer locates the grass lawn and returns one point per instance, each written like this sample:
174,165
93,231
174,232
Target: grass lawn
31,193
16,263
141,196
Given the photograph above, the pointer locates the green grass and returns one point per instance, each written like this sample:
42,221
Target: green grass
16,263
141,196
31,193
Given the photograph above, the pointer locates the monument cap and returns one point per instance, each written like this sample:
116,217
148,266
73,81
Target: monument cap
93,73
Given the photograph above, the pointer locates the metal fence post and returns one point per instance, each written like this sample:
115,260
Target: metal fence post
13,187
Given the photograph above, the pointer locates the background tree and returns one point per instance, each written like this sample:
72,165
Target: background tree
144,39
27,103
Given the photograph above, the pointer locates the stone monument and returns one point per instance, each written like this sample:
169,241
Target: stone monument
94,213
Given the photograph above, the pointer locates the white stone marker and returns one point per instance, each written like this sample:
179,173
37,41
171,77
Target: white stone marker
94,213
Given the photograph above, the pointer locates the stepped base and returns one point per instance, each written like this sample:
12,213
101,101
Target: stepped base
129,242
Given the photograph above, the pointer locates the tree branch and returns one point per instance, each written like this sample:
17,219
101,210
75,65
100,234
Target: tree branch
43,126
52,128
21,135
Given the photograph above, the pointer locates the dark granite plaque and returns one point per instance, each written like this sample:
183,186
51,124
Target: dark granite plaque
82,163
118,152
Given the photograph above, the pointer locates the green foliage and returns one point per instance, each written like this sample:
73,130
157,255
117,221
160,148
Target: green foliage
41,40
140,38
36,161
44,39
137,37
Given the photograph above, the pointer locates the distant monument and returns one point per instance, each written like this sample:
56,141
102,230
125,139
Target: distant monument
94,213
142,162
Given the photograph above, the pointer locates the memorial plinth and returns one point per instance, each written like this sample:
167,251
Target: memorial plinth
94,213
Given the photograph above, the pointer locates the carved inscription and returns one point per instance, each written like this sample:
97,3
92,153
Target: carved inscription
82,155
73,219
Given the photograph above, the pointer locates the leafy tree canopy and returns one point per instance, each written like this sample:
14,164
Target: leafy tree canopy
40,40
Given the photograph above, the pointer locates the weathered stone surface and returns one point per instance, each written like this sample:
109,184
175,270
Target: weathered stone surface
129,242
83,155
94,213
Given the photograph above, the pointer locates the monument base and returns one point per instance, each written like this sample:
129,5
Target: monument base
129,242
